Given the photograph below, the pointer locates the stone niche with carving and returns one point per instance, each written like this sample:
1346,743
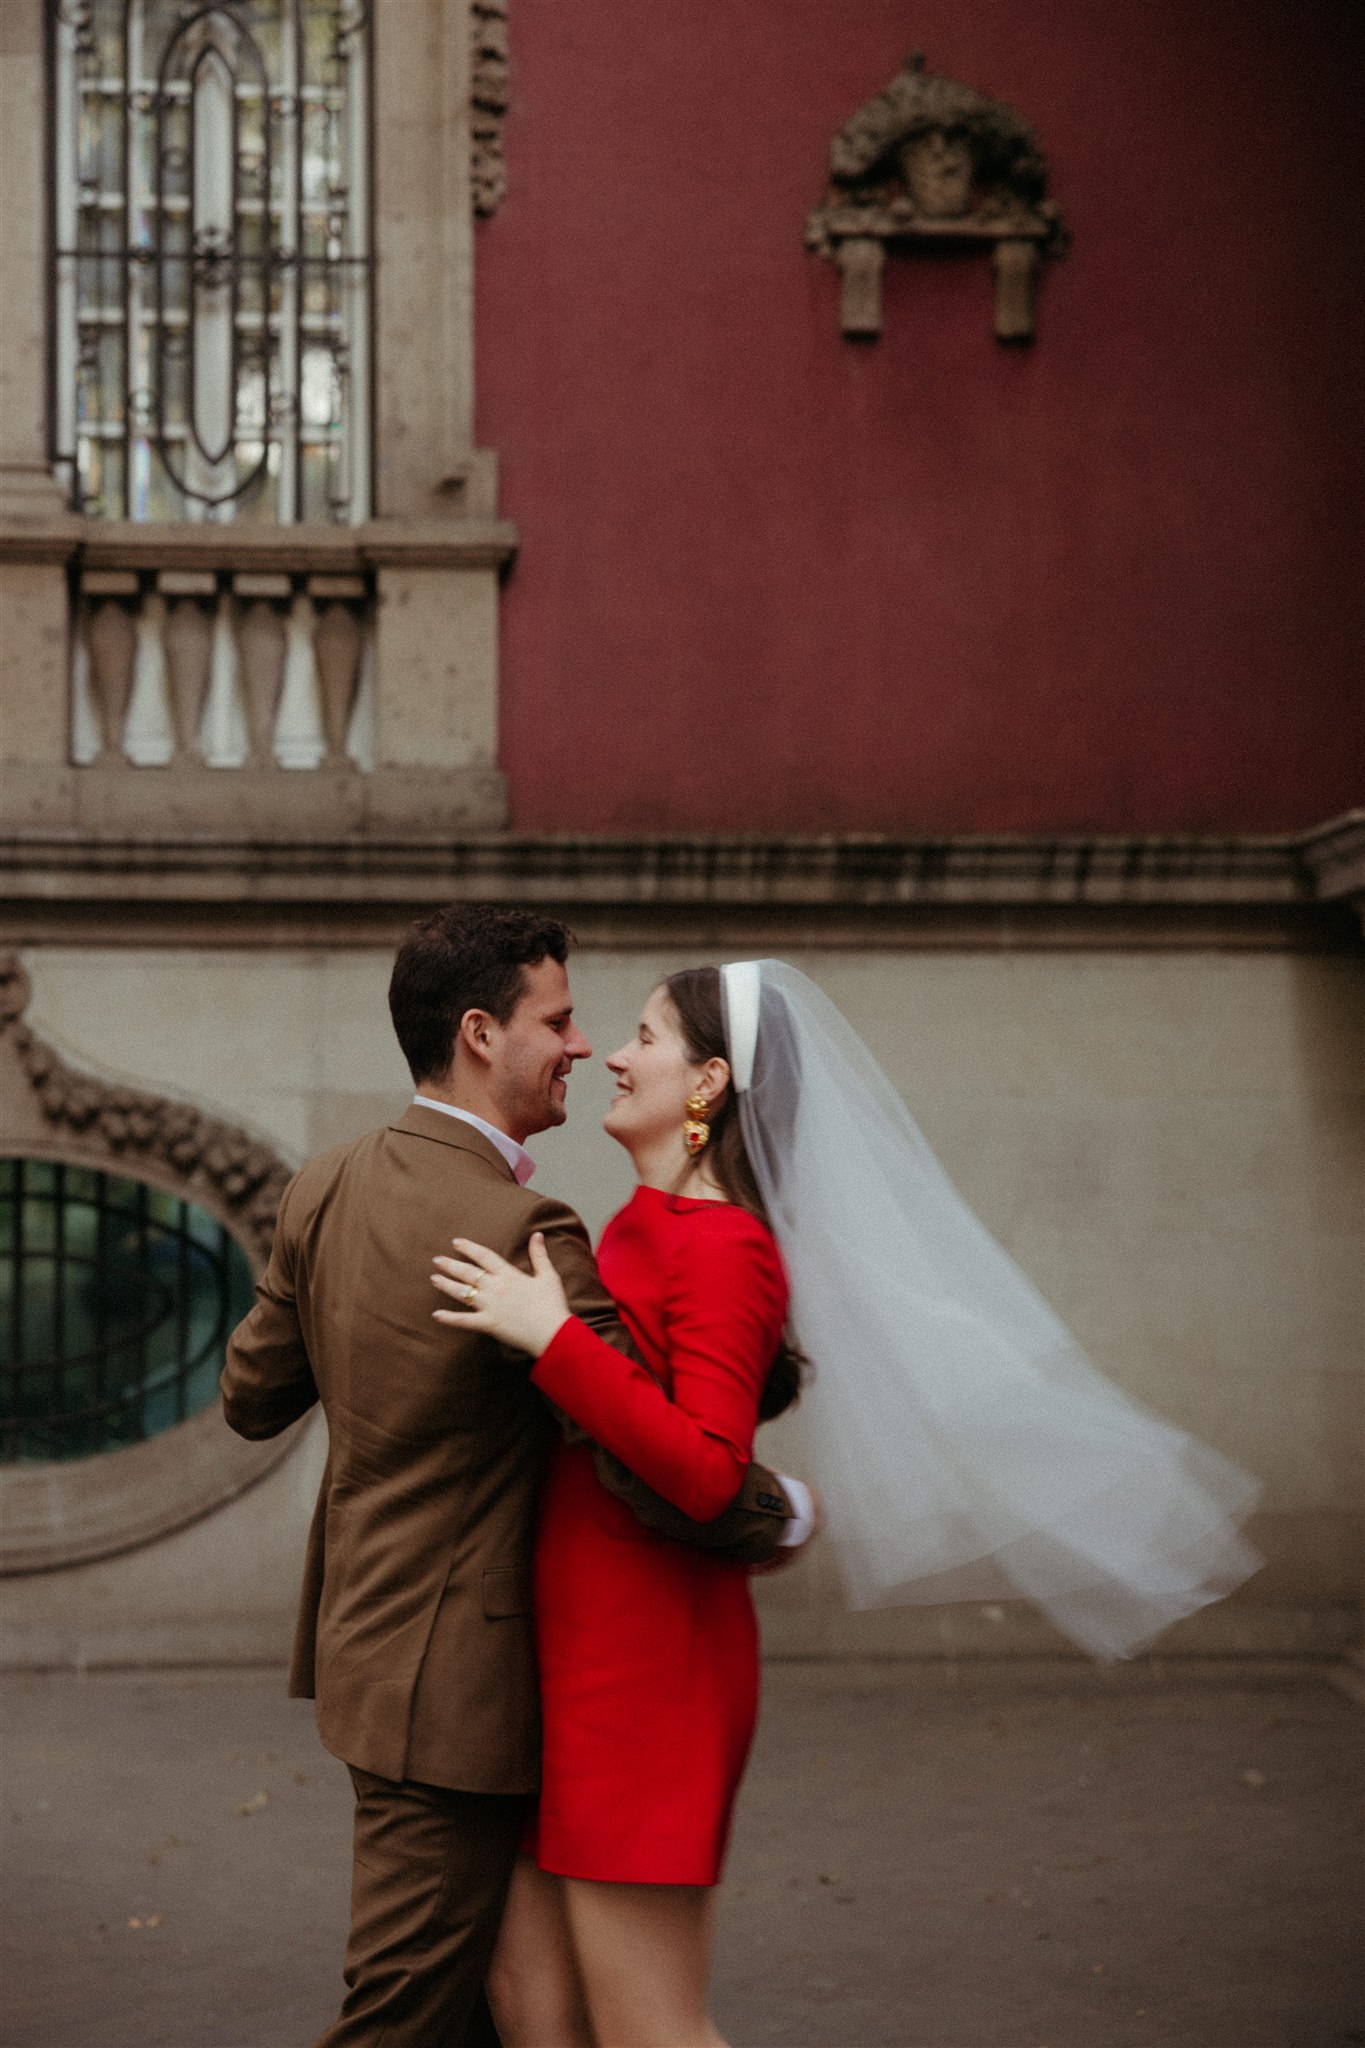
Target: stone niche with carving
927,163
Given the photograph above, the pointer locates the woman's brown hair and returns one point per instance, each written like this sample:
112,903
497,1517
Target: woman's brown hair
695,995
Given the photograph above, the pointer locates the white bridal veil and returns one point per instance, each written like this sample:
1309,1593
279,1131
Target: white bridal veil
964,1446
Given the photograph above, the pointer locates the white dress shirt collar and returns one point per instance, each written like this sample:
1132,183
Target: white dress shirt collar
517,1156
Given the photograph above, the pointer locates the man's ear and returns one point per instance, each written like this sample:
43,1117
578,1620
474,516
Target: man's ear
475,1036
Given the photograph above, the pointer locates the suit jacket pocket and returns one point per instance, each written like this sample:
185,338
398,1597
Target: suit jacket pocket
506,1591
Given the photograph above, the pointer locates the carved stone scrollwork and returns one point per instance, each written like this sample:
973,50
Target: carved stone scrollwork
210,1161
929,161
60,1513
487,103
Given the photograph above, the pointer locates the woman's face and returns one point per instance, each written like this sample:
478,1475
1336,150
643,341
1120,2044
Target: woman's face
654,1077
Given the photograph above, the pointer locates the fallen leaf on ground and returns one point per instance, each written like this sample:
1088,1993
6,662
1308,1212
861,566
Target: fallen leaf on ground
256,1803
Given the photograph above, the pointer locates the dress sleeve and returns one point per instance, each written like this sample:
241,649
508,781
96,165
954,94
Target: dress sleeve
724,1308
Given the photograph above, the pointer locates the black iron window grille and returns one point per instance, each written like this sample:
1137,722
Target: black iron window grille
116,1301
211,310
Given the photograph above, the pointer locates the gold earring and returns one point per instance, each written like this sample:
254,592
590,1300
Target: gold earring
696,1132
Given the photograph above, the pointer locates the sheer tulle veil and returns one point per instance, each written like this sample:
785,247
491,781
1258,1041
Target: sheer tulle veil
964,1446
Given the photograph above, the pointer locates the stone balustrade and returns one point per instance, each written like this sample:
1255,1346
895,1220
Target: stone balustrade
234,670
141,660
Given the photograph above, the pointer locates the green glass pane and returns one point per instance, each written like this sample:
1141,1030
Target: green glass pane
33,1395
242,1287
160,1410
124,1332
40,1224
81,1231
201,1386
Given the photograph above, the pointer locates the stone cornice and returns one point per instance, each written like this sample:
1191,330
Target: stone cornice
717,867
1334,856
319,549
1002,889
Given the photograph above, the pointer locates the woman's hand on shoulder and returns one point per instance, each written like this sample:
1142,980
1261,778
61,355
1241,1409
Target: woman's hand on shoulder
525,1310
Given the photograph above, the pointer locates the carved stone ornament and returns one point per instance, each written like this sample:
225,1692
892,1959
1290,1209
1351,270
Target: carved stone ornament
207,1161
929,161
487,103
55,1515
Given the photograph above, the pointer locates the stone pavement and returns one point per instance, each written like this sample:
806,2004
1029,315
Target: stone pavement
927,1857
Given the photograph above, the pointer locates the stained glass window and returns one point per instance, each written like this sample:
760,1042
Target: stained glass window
211,276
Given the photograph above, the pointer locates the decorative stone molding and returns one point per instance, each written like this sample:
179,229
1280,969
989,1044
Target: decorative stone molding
487,104
58,1514
100,544
1335,857
215,1164
711,889
931,162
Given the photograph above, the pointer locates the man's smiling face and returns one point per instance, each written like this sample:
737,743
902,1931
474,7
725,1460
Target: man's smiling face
533,1052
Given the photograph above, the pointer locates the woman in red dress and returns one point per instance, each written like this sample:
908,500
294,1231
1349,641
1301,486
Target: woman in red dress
648,1649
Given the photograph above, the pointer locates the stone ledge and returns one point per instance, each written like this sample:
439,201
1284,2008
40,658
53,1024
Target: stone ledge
683,868
186,820
296,880
702,867
1334,855
377,543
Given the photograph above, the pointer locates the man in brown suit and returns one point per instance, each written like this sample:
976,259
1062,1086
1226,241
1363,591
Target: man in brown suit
414,1632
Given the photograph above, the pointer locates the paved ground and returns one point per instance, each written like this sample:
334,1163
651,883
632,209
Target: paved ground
1008,1858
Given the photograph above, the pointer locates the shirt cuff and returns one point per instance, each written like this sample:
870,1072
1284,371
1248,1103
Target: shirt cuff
801,1521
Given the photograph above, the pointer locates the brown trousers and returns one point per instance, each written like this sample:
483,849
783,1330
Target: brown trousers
429,1881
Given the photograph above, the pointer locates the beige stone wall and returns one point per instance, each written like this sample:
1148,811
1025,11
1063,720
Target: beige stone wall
1170,1143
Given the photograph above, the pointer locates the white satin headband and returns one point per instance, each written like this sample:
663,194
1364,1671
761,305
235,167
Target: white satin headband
741,982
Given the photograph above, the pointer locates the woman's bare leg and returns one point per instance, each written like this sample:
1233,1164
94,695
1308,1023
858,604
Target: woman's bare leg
644,1952
533,1984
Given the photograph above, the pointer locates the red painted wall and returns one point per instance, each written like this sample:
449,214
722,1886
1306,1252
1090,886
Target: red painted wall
772,579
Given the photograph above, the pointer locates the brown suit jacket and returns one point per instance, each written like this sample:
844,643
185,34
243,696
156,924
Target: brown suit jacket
414,1631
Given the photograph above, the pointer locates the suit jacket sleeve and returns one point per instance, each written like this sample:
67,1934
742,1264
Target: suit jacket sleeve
267,1382
749,1529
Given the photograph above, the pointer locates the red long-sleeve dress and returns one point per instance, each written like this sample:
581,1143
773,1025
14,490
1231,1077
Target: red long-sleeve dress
649,1648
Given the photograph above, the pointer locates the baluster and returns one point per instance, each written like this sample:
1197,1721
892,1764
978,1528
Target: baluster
224,740
362,741
188,637
148,735
262,659
299,738
87,741
110,636
339,646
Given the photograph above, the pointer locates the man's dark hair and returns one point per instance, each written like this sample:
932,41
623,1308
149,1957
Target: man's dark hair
468,957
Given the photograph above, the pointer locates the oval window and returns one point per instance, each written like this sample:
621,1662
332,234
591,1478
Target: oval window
116,1301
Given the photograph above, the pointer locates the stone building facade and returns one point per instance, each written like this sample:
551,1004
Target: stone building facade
970,675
